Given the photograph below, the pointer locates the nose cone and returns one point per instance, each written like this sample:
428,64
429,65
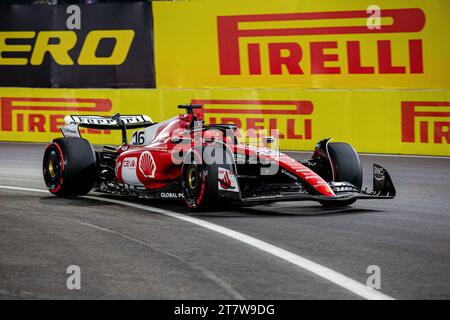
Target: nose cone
325,190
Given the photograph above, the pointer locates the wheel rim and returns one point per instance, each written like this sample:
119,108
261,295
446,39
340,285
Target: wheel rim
192,178
52,169
193,188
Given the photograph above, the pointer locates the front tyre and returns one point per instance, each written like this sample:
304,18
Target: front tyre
69,167
346,167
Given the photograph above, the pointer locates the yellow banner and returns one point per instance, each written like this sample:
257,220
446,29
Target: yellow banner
302,44
398,122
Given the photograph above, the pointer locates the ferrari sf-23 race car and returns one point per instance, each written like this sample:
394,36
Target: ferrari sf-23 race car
203,164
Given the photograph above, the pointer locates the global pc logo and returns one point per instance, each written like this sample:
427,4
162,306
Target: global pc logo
290,55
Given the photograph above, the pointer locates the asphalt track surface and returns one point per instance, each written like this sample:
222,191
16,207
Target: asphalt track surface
137,253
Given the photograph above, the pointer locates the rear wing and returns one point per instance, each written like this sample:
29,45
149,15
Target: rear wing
110,123
115,122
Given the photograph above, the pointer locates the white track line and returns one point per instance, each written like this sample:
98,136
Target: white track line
306,264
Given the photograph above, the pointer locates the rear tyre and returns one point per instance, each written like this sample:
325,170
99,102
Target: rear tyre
69,167
199,178
346,166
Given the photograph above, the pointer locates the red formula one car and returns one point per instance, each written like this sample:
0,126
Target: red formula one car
184,158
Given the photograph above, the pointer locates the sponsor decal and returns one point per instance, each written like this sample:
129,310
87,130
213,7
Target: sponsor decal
171,195
431,118
51,46
288,55
133,187
70,130
303,44
129,175
106,121
64,41
290,175
129,162
290,119
227,180
378,173
43,115
147,164
406,121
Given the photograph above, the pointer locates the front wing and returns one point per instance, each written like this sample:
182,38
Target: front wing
383,188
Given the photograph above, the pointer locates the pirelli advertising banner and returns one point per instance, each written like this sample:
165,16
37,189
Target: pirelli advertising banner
303,43
77,46
398,122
